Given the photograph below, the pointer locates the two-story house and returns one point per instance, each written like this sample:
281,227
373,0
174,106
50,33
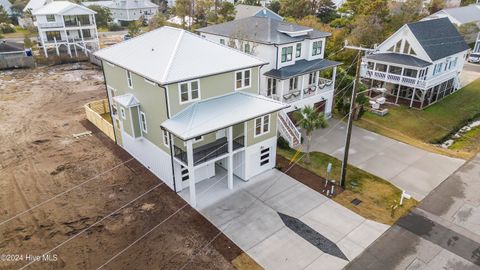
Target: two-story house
295,73
124,11
186,107
63,25
419,64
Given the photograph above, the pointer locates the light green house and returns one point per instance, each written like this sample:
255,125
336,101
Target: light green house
186,108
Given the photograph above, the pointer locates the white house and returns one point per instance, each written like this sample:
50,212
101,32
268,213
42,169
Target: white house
459,15
63,25
295,73
419,64
127,10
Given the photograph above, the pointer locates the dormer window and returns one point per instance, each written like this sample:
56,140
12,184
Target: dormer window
298,52
287,54
50,18
247,48
317,48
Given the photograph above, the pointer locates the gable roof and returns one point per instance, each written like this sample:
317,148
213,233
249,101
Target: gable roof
61,7
208,115
465,14
244,11
6,6
122,4
34,4
167,55
7,46
439,37
262,30
127,100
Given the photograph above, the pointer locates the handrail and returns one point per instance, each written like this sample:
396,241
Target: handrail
395,78
296,133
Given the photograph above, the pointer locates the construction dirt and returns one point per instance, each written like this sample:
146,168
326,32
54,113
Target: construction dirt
85,201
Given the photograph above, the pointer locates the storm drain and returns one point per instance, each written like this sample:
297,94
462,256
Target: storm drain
356,201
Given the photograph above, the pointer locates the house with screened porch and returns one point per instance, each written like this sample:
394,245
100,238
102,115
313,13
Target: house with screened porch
187,108
418,65
297,74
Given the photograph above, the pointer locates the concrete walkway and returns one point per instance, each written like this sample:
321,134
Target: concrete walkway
442,233
415,170
249,216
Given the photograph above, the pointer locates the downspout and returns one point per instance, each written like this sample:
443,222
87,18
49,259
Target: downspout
109,105
170,140
276,56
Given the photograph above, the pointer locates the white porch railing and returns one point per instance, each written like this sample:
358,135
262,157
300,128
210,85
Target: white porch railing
288,130
322,86
409,81
51,25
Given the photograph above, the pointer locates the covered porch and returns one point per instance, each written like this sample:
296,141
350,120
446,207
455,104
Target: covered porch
302,80
214,133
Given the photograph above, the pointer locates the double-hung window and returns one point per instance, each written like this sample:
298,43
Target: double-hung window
50,18
317,48
293,84
242,79
143,122
298,51
262,125
129,79
287,54
166,138
189,91
271,86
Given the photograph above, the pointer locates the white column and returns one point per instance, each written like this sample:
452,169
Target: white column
230,156
334,77
191,173
56,46
282,92
43,43
413,96
302,85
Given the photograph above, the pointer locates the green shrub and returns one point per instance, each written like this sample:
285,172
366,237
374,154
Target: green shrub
114,27
282,143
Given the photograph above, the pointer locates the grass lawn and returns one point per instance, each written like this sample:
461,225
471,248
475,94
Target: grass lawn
376,194
422,128
19,33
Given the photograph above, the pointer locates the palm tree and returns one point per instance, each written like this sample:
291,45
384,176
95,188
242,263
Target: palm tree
310,120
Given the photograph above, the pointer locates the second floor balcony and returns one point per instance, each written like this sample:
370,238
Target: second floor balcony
405,70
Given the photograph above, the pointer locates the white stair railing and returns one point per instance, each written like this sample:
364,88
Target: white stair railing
288,130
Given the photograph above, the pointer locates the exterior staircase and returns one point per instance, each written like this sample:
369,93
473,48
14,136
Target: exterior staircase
288,130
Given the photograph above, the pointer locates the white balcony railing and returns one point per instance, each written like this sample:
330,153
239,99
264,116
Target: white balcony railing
51,25
409,81
323,85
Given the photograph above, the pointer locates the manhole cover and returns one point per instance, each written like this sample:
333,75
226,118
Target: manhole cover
356,201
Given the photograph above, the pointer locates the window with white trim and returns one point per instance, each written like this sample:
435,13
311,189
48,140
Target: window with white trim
122,113
287,54
222,41
262,125
189,91
312,78
129,79
166,138
247,48
143,122
293,83
298,52
50,18
264,156
242,79
317,48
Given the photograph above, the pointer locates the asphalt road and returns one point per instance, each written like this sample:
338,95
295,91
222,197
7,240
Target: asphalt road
442,233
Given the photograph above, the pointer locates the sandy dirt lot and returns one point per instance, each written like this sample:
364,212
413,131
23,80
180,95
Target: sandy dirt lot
40,109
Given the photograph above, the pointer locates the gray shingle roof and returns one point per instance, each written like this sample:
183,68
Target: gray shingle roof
301,67
402,59
466,14
439,38
244,11
260,30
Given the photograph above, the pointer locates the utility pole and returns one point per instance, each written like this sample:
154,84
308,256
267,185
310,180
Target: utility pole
356,84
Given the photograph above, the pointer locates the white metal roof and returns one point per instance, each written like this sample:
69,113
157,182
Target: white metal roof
127,100
167,55
61,7
34,4
217,113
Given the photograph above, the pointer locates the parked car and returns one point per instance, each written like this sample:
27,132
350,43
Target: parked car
474,58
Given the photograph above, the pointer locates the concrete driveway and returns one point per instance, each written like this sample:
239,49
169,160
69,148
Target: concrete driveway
414,170
282,224
442,233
